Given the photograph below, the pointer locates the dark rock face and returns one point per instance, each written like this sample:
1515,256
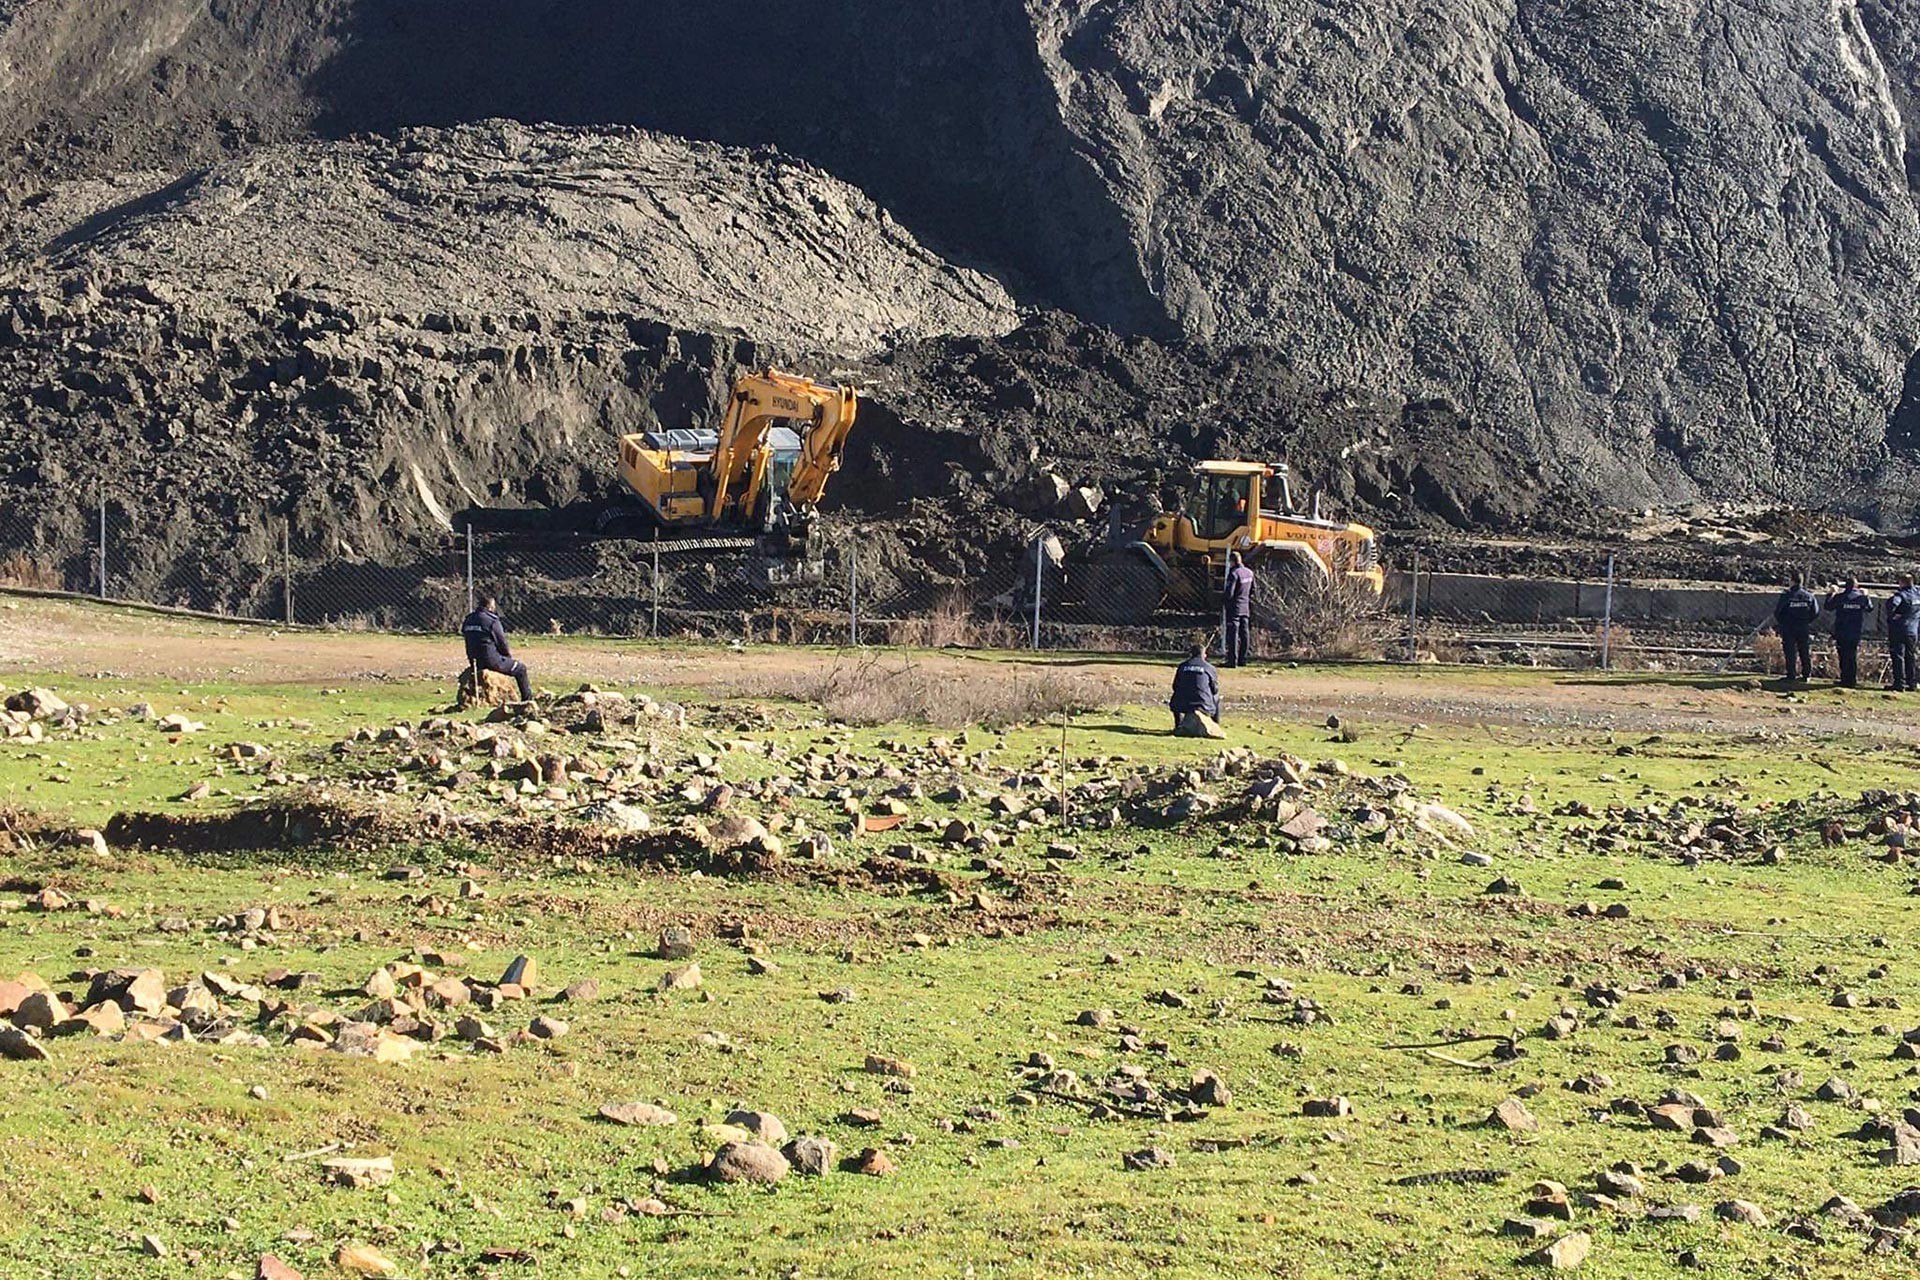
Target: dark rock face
1665,246
1654,248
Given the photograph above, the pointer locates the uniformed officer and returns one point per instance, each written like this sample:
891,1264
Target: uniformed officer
487,648
1850,607
1793,615
1903,633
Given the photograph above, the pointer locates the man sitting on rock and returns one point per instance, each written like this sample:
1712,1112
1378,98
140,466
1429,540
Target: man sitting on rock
487,648
1196,696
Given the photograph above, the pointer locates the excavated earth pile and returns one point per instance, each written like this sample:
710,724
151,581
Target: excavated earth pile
1508,267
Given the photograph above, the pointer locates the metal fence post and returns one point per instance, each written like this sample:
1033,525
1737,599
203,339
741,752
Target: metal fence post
1606,623
1039,573
286,568
653,629
1413,613
102,576
470,599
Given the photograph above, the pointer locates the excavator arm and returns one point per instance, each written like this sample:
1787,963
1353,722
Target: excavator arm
823,414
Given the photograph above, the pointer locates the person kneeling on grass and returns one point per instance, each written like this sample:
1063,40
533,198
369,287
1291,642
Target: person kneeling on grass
1196,692
487,648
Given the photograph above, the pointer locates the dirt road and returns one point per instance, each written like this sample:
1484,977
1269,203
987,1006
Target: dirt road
40,635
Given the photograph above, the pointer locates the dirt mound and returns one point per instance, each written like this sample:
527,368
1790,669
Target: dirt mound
367,338
497,219
1653,254
324,826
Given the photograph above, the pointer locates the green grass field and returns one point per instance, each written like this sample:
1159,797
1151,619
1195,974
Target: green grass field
504,1168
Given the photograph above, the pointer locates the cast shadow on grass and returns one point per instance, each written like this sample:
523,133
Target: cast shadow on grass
1132,730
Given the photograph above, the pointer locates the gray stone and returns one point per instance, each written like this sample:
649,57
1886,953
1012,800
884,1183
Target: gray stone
813,1157
763,1125
748,1162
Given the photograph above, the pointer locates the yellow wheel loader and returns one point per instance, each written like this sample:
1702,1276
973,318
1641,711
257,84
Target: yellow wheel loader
753,482
1179,560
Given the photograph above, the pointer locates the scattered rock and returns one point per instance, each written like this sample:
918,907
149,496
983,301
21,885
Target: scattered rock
684,978
346,1171
272,1268
884,1066
811,1157
637,1114
18,1046
763,1125
364,1260
1147,1158
1564,1254
748,1162
1741,1211
1513,1116
875,1163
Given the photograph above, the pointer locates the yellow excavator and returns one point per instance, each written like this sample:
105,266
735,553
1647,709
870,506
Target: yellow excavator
757,479
1179,559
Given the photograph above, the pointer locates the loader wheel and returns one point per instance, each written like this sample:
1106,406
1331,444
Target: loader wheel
1123,590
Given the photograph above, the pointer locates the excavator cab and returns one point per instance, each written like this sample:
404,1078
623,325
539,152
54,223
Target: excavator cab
755,479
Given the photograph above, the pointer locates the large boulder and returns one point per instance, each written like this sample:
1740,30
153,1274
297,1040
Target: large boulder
480,688
748,1162
40,704
1198,724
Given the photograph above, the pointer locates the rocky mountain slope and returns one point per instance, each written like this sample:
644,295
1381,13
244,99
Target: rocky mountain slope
1624,253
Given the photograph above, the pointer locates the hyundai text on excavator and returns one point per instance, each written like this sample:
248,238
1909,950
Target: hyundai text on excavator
1179,559
756,480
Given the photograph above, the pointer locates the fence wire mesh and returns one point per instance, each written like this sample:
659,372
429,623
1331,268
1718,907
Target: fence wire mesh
1615,609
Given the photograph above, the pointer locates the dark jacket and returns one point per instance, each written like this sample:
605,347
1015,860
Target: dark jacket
1903,614
486,638
1240,592
1796,609
1196,687
1850,610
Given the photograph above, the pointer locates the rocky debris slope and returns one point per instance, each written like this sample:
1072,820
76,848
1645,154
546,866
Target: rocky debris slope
1659,249
501,218
367,338
998,414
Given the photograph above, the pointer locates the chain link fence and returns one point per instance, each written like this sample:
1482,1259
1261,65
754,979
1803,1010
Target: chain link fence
1613,610
1621,611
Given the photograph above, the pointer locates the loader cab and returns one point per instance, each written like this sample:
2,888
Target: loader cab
1226,497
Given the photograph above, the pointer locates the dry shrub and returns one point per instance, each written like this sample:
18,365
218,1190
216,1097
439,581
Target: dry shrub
954,622
1337,621
1770,653
874,690
18,569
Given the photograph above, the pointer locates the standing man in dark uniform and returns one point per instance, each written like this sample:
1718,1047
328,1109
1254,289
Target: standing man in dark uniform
1239,611
1850,607
1793,616
1903,633
487,647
